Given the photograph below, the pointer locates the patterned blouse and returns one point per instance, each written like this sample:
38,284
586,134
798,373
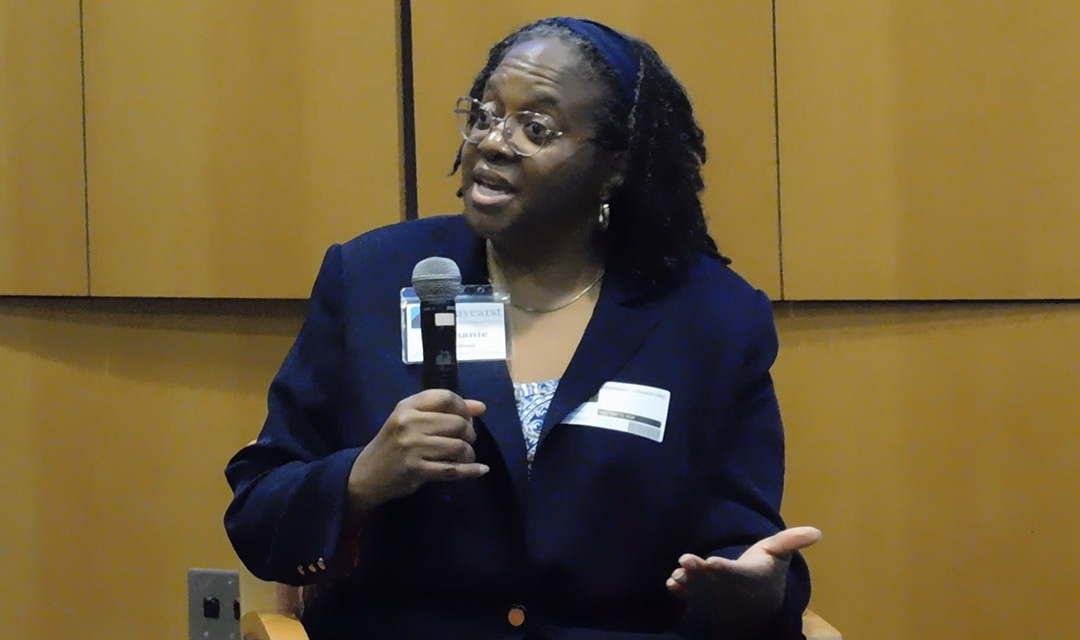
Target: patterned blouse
532,400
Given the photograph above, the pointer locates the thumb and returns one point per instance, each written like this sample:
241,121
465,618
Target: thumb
788,541
476,408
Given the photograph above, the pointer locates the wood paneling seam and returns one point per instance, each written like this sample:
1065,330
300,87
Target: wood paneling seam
86,177
776,133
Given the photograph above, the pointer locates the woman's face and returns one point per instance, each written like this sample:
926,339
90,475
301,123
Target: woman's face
518,199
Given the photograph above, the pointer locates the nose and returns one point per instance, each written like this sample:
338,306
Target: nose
494,143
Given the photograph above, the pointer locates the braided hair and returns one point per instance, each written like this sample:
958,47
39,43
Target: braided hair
657,227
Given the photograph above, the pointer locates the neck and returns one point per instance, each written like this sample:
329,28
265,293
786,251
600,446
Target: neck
544,278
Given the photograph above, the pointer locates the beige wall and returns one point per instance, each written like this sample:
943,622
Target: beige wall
42,210
936,445
226,144
229,143
118,418
928,149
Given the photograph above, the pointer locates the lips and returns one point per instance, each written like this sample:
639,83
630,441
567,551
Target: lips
490,188
492,180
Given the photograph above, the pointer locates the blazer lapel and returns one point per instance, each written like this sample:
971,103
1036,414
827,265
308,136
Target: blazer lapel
615,332
488,382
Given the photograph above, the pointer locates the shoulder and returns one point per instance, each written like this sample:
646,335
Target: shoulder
407,241
716,301
716,289
385,257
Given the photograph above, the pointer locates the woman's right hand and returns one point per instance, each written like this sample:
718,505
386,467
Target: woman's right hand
428,437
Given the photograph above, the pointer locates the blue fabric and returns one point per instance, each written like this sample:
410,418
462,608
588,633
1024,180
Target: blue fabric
617,49
586,540
533,400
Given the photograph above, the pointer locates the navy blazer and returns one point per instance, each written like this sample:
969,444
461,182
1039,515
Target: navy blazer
585,541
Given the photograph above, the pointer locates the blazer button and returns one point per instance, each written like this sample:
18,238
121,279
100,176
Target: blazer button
516,615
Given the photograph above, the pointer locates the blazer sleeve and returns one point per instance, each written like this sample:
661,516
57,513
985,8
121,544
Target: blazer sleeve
287,514
746,483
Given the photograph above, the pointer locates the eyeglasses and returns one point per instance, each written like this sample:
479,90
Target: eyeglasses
525,132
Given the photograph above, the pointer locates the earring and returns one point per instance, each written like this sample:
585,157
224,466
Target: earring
605,216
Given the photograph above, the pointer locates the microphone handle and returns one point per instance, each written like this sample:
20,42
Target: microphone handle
438,330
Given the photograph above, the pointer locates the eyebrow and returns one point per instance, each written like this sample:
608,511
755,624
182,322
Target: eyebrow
535,99
543,99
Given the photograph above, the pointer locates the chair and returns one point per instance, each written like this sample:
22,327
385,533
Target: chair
271,612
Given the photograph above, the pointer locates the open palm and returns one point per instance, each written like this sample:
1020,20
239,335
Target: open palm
746,589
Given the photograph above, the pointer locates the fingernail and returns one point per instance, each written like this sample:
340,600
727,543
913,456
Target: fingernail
484,468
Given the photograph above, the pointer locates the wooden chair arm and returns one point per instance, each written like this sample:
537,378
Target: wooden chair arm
256,625
815,628
264,625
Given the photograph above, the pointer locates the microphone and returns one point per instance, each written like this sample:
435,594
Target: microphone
437,281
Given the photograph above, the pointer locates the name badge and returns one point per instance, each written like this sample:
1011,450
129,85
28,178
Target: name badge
482,330
631,408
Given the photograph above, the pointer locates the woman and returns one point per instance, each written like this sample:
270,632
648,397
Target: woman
502,512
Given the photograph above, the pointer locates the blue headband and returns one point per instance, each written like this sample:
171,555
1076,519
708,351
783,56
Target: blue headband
616,48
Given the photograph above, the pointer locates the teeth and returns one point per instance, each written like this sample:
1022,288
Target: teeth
491,184
485,190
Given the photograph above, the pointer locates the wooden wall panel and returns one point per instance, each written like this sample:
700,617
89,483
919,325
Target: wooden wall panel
232,142
42,206
721,51
118,419
928,149
936,446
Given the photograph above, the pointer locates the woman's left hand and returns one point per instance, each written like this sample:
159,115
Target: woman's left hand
745,591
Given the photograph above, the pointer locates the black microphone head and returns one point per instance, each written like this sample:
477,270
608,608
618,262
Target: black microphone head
436,279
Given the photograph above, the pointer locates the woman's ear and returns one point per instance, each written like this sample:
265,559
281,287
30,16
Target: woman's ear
615,180
610,186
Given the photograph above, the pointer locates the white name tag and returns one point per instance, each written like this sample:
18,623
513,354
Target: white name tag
481,326
630,408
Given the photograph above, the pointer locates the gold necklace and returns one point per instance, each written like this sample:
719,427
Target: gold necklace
565,304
